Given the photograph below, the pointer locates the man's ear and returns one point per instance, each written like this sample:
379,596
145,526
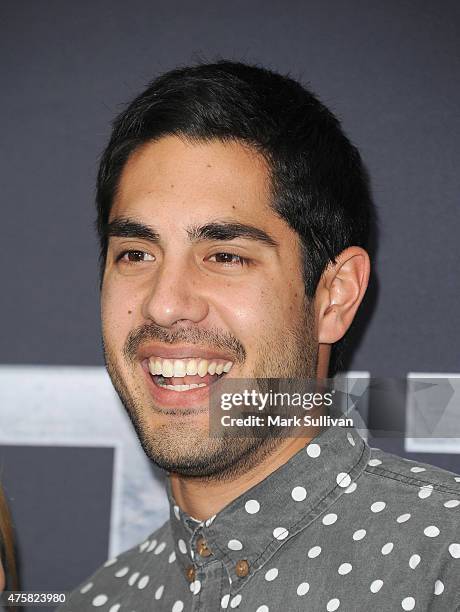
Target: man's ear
339,293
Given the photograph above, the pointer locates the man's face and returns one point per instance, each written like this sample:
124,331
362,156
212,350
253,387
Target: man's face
213,289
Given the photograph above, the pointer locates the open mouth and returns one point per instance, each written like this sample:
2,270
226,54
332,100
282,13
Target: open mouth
187,374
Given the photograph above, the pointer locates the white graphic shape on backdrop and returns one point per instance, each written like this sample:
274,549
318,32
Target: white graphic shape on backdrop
432,413
78,406
352,399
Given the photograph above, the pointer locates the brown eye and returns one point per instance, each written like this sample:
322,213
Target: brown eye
134,256
229,259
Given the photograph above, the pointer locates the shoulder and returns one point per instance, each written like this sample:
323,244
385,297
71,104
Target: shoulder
126,569
409,475
429,495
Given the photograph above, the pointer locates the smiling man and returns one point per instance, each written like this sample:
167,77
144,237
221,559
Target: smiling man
233,215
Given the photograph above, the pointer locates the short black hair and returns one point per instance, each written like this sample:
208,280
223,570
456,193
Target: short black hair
319,185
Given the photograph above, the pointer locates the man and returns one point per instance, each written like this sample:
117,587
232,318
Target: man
233,215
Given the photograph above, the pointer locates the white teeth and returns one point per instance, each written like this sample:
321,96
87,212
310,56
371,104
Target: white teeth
168,368
202,367
219,368
212,367
192,367
179,368
182,387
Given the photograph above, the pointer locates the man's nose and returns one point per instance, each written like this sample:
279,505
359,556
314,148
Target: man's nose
175,296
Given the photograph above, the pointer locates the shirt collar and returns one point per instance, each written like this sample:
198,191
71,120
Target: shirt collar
255,525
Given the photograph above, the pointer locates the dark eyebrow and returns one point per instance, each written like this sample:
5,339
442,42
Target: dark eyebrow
127,228
228,230
217,230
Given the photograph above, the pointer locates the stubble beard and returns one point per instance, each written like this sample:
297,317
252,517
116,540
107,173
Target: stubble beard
183,448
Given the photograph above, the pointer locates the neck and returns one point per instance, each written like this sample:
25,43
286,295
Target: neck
202,499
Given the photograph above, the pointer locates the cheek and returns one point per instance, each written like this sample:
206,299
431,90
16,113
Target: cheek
117,313
250,313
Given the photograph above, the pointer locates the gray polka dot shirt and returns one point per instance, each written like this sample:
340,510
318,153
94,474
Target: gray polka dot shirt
340,526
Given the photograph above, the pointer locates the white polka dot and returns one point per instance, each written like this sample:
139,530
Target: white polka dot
402,518
160,548
110,562
431,531
143,582
271,574
224,602
387,548
115,607
314,552
298,493
262,609
182,546
345,569
454,550
143,546
408,603
122,572
176,512
343,479
359,534
313,450
376,586
417,469
438,587
172,557
333,604
132,579
425,491
452,503
235,601
86,588
329,519
351,488
378,506
235,545
159,592
195,587
350,439
152,545
100,600
374,462
414,561
178,606
280,533
252,506
303,589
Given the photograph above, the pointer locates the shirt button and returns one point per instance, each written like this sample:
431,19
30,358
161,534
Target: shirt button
190,573
242,568
202,548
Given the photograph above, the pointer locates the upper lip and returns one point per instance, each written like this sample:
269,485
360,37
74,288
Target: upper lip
179,352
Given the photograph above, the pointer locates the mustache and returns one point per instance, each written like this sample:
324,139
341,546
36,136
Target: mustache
211,338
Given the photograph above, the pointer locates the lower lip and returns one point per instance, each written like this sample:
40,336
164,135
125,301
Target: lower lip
180,400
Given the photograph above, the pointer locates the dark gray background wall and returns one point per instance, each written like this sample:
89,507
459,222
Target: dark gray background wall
389,69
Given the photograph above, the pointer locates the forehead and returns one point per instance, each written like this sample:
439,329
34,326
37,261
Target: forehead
176,176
